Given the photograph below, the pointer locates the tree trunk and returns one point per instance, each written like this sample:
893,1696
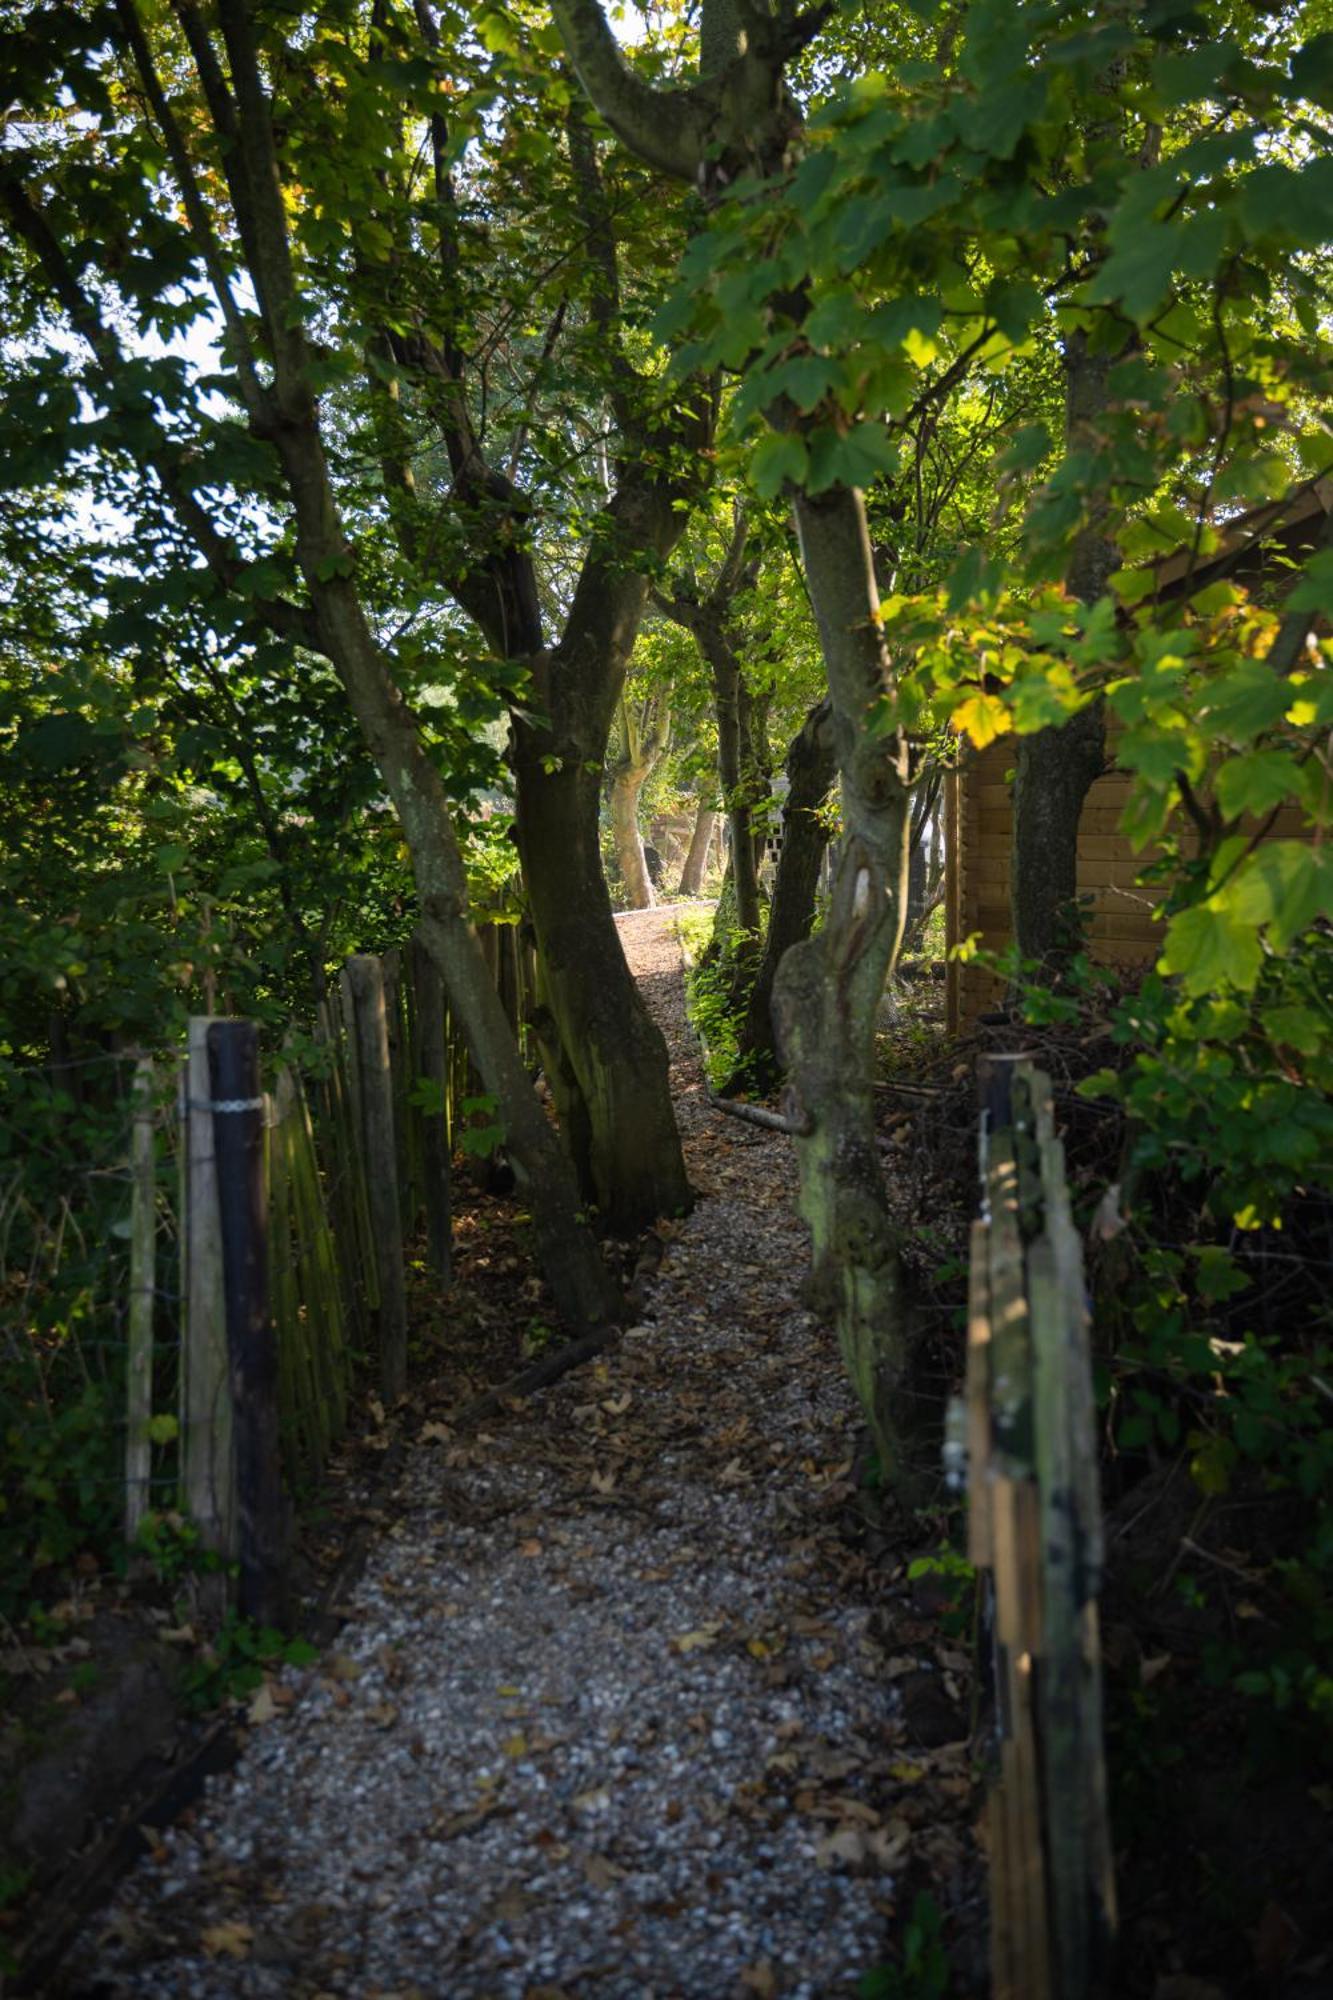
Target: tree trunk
811,766
736,774
626,787
1055,769
696,860
606,1059
828,988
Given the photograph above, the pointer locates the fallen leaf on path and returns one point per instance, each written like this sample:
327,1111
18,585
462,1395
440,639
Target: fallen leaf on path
262,1706
232,1940
602,1872
695,1642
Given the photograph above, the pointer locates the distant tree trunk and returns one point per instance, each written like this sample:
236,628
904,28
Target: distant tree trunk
925,870
811,768
1055,768
645,734
696,859
741,740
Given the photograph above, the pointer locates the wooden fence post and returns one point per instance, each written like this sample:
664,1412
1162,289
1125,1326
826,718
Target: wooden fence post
432,1057
207,1479
1034,1535
366,985
143,1293
238,1124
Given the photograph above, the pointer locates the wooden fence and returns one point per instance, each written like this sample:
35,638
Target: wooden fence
1034,1529
346,1161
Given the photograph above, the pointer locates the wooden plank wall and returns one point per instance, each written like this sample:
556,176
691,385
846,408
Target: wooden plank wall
980,819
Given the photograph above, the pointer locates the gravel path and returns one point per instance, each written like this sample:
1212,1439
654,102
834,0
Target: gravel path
605,1718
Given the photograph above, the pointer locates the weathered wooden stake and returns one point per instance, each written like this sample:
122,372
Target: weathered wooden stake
261,1508
432,1058
143,1290
366,984
207,1478
1035,1538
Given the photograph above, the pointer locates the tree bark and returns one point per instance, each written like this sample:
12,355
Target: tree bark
631,767
696,859
605,1057
610,1072
626,786
811,767
828,988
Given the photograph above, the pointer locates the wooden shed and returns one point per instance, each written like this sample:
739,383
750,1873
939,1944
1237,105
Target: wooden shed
979,794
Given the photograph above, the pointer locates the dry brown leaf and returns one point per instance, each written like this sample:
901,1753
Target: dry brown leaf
695,1642
602,1872
760,1979
262,1706
230,1940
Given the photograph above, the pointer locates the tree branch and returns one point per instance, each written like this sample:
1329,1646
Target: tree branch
669,129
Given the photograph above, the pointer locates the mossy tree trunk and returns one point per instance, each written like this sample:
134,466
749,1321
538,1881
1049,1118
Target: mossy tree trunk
712,622
696,858
644,738
811,767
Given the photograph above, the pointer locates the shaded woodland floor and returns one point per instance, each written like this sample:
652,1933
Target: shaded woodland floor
630,1698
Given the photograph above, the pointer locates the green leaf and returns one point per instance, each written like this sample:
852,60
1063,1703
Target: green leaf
1314,591
892,323
1207,949
777,458
1256,782
838,319
855,458
1312,70
1218,1275
1246,700
806,378
1294,1027
1285,885
1028,447
1292,204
